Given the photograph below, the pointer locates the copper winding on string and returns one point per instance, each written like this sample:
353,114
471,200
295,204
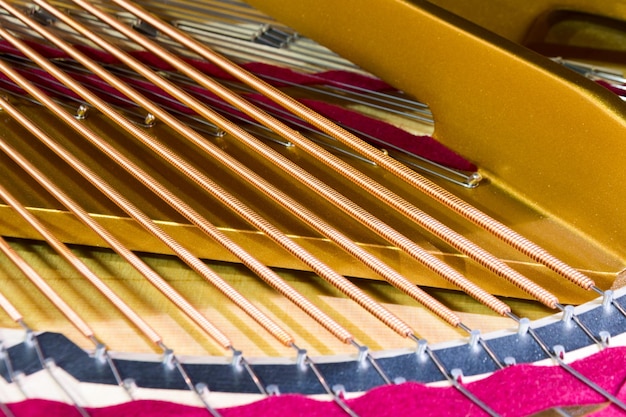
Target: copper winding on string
443,196
275,281
340,282
395,279
84,216
268,275
193,262
527,247
459,242
117,246
440,310
389,274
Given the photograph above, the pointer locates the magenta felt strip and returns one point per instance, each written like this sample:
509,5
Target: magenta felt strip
613,89
335,77
424,146
516,391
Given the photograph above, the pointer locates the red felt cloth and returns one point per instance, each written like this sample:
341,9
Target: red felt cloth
613,88
423,145
513,392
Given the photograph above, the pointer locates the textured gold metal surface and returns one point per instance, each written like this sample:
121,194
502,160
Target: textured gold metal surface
513,20
540,133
